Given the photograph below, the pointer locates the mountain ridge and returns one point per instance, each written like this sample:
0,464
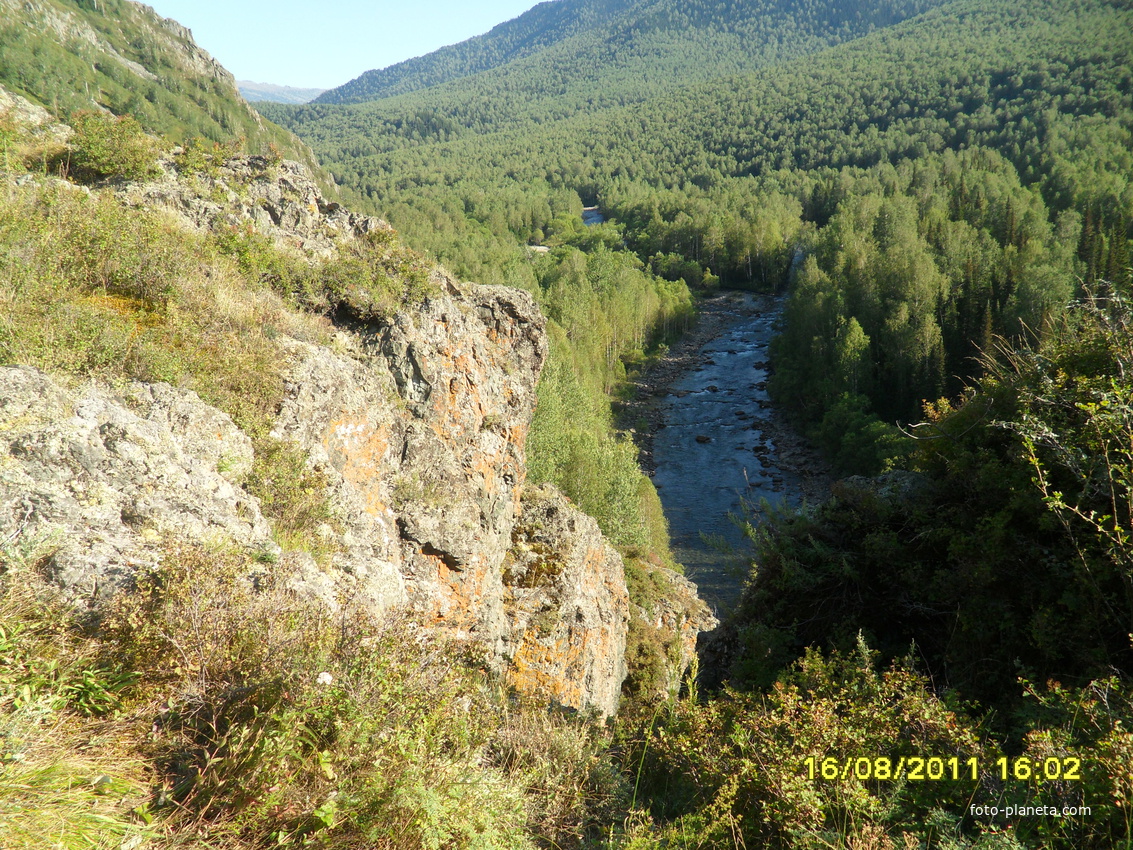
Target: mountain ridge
123,57
647,42
545,24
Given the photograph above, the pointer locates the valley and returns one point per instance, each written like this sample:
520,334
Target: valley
607,433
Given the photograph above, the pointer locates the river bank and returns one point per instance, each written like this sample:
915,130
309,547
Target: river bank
710,438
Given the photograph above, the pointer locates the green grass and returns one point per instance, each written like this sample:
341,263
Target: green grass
243,715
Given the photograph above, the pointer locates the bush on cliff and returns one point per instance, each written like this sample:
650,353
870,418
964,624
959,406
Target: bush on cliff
841,754
109,146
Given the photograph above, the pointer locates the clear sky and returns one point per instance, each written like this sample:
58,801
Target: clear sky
314,44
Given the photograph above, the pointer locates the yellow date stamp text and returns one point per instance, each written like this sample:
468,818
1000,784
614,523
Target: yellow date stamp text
940,768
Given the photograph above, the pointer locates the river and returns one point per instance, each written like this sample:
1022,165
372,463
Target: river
592,216
718,443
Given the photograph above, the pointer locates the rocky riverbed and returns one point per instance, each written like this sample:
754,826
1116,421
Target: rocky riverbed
714,444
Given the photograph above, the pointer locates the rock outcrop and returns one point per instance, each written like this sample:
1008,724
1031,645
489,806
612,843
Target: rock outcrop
679,617
106,475
567,605
417,422
277,199
31,120
420,425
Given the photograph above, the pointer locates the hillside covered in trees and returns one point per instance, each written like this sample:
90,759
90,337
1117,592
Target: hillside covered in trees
119,56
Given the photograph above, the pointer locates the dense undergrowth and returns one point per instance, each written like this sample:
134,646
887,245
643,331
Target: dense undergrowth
213,707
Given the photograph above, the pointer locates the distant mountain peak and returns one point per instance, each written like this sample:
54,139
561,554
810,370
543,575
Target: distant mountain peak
258,92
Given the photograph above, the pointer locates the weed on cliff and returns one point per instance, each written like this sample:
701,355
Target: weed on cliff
367,279
93,288
108,146
294,496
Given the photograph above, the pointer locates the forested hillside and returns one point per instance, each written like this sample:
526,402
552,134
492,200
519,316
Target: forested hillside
726,180
541,27
71,55
650,48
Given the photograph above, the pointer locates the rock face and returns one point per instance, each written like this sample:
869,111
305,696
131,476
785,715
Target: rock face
421,425
279,200
567,605
681,616
107,475
32,120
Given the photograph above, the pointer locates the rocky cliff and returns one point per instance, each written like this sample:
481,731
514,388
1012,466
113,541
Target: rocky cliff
416,424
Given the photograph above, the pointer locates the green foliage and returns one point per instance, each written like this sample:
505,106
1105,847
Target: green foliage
39,671
1076,427
198,156
288,725
52,800
104,146
1092,724
292,495
372,277
367,279
736,767
856,441
571,446
914,271
1007,553
124,297
734,771
121,58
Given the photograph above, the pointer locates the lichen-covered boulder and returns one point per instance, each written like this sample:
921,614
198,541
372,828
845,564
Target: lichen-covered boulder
107,475
567,605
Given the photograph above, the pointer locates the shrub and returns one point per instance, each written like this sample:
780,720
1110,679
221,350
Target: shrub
200,156
371,277
107,146
770,769
735,769
291,494
856,441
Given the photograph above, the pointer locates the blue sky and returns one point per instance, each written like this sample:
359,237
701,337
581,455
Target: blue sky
322,45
